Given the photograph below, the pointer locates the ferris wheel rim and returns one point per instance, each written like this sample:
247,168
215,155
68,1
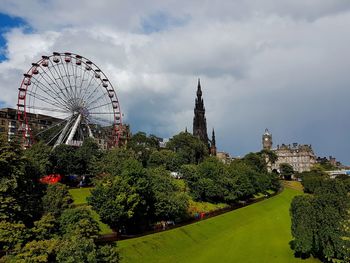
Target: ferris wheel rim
23,105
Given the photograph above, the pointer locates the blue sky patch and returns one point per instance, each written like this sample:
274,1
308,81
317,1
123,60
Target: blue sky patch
2,104
161,21
7,23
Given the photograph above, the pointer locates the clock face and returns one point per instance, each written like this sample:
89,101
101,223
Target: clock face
266,139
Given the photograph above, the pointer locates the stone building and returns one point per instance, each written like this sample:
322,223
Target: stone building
10,126
300,157
200,122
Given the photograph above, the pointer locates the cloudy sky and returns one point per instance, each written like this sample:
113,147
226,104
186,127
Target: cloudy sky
282,65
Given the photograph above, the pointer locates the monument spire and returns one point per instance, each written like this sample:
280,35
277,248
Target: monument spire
199,120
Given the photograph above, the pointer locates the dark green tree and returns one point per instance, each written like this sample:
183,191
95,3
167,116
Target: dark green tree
20,188
112,161
78,221
143,146
37,251
77,249
57,199
286,171
86,157
169,203
257,161
116,201
167,158
45,228
39,156
303,225
64,160
12,235
319,222
190,149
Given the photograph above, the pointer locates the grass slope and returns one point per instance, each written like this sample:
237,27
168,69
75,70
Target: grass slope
256,233
79,195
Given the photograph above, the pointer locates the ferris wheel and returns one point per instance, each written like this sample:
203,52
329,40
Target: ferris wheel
65,98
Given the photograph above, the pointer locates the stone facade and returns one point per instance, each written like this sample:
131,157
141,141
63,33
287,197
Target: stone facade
300,157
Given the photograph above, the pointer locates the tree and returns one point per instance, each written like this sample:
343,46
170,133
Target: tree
39,156
86,156
20,189
38,251
108,254
115,201
78,221
167,158
57,199
211,173
77,249
311,181
303,226
168,202
286,171
319,222
64,160
256,161
271,156
112,161
190,149
45,228
12,235
143,146
190,175
240,181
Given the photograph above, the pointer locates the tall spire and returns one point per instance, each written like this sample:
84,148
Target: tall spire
199,121
199,89
213,141
213,144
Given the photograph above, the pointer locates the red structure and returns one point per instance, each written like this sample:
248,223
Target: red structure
51,179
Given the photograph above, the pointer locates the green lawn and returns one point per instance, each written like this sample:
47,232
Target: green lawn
79,195
257,233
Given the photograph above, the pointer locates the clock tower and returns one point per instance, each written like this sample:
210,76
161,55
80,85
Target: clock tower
267,140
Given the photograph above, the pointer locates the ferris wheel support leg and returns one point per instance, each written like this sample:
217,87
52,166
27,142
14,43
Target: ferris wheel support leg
62,135
90,132
74,129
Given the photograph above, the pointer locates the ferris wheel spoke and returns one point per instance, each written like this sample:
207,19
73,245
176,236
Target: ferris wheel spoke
46,99
56,77
82,78
75,75
60,77
47,109
98,113
68,77
49,90
96,100
84,90
88,96
89,109
56,87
